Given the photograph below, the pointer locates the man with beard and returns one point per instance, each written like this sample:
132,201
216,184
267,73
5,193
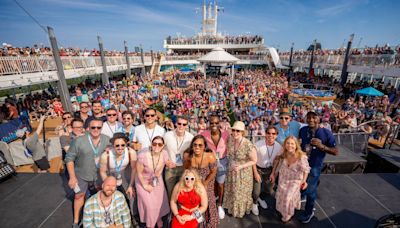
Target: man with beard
97,113
217,141
107,208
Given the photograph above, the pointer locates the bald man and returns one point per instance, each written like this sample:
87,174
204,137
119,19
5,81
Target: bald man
107,208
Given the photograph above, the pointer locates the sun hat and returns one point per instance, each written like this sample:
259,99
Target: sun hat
238,125
285,111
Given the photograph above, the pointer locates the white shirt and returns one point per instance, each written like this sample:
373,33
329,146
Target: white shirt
175,147
266,154
144,136
109,129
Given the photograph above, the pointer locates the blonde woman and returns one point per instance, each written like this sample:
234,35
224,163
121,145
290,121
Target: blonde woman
293,173
191,196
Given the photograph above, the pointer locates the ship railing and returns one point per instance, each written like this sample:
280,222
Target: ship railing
195,57
31,64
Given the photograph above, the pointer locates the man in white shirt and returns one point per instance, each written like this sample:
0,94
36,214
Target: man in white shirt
267,150
145,133
176,142
111,126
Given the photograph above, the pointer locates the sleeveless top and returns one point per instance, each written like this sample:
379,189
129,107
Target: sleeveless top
112,165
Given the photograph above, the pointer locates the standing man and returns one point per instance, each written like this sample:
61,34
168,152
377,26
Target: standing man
111,126
286,127
97,112
128,128
82,161
316,142
83,111
145,133
176,142
267,150
107,208
217,141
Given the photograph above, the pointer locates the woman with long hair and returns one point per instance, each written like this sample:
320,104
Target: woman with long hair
201,159
293,173
191,196
152,196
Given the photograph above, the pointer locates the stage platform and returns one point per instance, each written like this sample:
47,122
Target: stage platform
349,200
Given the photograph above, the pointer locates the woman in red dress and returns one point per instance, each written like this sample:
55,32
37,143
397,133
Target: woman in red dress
191,196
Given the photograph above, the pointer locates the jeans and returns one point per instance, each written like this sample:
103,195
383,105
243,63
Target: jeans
265,184
311,191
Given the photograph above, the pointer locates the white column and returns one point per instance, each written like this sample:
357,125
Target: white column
204,68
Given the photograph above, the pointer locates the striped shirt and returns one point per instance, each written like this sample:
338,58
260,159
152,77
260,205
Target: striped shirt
93,215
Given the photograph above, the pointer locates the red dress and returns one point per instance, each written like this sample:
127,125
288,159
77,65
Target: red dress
188,200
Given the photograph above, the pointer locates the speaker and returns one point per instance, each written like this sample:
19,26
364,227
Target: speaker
5,168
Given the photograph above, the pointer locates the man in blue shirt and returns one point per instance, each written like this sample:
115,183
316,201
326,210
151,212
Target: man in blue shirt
286,126
316,142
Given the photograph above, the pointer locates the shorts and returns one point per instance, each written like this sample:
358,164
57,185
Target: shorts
222,170
86,185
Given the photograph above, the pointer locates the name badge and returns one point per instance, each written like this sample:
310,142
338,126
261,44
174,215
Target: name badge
178,159
217,155
154,181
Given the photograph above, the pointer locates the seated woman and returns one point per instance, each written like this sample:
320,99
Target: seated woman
293,173
152,196
191,196
115,161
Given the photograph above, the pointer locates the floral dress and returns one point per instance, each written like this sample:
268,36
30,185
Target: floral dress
288,192
239,185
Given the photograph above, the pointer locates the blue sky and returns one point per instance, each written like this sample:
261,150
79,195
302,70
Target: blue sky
148,22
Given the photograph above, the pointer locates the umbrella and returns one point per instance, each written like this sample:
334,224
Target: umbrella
370,91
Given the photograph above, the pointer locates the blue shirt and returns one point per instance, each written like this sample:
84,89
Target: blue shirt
316,158
293,129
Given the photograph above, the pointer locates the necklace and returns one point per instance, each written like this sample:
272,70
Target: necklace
154,165
107,214
201,161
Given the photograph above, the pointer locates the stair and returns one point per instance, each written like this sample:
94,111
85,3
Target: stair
155,68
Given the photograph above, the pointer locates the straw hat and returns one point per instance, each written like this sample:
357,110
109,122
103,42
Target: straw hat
285,111
239,125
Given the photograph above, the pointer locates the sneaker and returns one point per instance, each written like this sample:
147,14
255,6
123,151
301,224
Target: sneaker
221,212
303,199
306,219
262,203
254,209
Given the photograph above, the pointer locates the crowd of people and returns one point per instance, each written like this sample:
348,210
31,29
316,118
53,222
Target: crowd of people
241,39
146,150
377,50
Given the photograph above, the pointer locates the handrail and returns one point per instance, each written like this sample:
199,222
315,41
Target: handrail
32,64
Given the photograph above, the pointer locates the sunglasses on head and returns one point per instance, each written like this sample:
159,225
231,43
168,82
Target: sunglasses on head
120,145
183,124
95,127
189,178
157,144
112,114
150,115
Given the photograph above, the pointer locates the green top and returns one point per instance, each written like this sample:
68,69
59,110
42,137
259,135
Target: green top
82,154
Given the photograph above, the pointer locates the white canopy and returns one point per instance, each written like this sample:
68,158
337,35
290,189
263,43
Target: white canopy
218,55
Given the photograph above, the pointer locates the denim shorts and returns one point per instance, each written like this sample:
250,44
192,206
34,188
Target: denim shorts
222,170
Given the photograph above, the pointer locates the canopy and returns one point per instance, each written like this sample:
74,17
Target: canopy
185,70
370,91
218,55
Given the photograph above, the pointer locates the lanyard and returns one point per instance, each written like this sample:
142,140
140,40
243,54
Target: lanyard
270,155
95,150
152,159
177,143
148,135
118,167
112,131
130,132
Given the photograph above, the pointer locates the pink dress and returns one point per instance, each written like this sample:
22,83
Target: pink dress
152,205
288,192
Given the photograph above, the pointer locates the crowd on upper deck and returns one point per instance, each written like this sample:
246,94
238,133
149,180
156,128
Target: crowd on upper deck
377,50
241,39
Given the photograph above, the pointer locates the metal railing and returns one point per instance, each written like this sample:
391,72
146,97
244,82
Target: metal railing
383,60
195,57
23,65
356,142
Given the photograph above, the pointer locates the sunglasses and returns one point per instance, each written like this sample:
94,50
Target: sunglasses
183,124
94,127
234,130
151,115
284,118
126,118
189,178
198,145
157,144
84,106
269,133
120,145
67,117
215,123
111,114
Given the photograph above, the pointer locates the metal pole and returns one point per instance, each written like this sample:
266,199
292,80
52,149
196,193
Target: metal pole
128,65
62,83
312,57
345,74
291,55
143,74
104,77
